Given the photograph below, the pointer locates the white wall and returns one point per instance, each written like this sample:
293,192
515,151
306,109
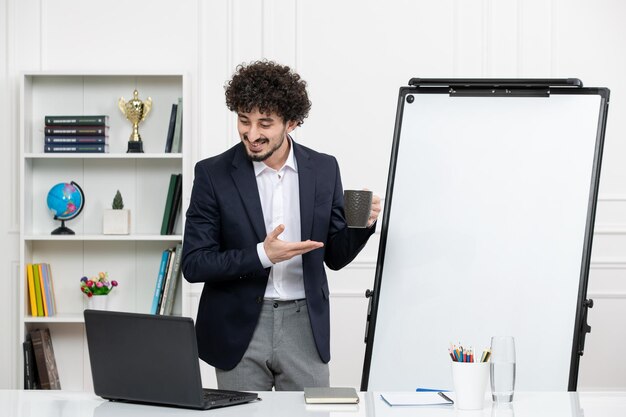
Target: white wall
354,55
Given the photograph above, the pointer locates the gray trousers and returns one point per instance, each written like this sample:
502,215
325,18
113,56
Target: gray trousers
281,355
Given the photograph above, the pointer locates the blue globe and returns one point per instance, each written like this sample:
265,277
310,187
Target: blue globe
66,201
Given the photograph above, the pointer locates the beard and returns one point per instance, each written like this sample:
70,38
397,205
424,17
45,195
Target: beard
262,157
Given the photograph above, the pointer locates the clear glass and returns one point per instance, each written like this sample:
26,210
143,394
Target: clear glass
502,368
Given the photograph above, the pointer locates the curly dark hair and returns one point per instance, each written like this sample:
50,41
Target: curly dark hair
270,87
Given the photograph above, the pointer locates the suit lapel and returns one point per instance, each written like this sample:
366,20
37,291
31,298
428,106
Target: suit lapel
306,179
243,175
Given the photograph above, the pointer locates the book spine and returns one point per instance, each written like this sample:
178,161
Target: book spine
46,283
51,364
46,288
76,148
44,298
38,291
178,129
176,203
168,204
100,120
31,290
159,282
54,300
170,129
40,358
64,140
76,130
173,283
168,277
29,377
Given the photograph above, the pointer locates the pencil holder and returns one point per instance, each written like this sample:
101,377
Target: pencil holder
470,384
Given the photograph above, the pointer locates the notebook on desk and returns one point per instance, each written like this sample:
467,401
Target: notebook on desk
330,395
150,359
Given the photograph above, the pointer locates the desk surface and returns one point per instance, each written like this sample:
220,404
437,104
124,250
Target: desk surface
18,403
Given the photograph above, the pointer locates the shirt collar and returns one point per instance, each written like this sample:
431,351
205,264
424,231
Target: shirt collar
260,166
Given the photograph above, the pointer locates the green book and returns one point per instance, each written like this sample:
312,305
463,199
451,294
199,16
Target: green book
38,294
169,202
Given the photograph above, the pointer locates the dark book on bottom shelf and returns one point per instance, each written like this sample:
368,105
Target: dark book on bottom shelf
47,372
30,367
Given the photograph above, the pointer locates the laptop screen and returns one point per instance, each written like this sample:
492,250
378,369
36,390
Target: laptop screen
144,358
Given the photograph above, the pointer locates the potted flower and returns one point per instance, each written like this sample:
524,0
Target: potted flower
116,220
97,289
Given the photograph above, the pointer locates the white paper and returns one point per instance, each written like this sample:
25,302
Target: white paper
413,398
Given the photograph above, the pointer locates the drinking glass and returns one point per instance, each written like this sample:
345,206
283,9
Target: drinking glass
502,368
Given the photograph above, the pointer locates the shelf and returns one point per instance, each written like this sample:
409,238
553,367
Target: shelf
59,318
133,260
131,238
103,156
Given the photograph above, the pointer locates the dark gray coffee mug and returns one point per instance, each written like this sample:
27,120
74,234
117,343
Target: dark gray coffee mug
357,205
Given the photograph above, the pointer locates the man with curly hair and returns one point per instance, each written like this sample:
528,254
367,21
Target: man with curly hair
264,218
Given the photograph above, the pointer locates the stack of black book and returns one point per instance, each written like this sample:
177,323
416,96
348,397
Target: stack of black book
81,134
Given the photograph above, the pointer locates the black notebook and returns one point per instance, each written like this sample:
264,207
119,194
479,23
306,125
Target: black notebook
150,359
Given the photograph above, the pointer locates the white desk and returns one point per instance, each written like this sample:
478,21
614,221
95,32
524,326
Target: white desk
16,403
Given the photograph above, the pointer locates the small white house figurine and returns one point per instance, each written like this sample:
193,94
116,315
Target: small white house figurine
116,220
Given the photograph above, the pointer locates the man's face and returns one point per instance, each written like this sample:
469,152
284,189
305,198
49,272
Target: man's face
264,135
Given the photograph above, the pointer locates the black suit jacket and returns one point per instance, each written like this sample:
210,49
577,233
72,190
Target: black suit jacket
223,227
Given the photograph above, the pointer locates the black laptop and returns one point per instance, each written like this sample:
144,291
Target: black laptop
150,359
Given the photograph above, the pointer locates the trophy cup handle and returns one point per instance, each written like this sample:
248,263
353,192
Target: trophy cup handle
147,106
122,105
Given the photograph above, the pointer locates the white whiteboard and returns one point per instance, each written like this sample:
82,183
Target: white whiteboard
484,235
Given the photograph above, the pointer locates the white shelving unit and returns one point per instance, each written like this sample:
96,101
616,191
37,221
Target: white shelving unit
133,260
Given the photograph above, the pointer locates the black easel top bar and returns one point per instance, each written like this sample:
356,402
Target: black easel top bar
493,82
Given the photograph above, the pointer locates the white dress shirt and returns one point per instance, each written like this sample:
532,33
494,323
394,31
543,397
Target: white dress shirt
280,202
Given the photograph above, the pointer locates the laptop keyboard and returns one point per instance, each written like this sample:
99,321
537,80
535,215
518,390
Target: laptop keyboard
210,395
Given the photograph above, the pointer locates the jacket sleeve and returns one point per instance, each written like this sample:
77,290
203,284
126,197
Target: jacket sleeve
204,258
343,243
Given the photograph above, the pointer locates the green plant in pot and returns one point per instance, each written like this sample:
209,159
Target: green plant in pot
116,220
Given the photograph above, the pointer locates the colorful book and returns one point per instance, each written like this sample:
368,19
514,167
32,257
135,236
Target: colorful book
170,130
76,130
159,282
176,203
178,130
99,120
168,278
43,271
31,290
76,148
38,291
168,205
44,296
172,284
51,140
54,299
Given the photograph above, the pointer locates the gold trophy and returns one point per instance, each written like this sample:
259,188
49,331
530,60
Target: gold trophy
136,111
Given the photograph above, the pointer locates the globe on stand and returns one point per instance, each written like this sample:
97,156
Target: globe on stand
66,201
